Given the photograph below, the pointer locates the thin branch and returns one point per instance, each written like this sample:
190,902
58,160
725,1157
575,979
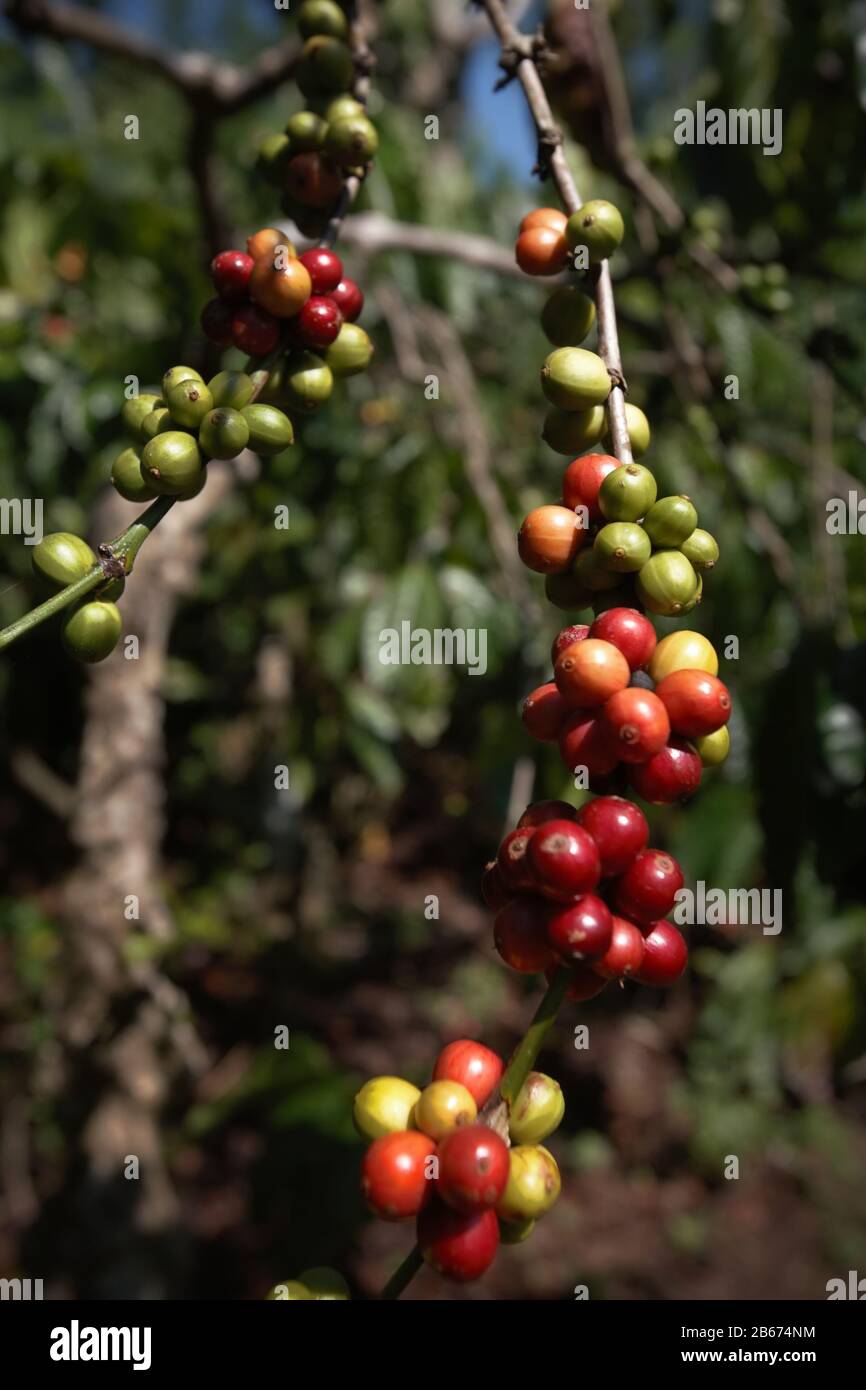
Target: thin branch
373,232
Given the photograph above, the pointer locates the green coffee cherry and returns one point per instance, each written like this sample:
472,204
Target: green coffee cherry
189,403
223,433
515,1232
666,583
231,389
308,382
350,352
289,1291
135,409
157,422
714,748
128,479
533,1183
622,546
270,430
324,1284
571,431
326,67
590,573
343,106
697,595
61,559
305,131
637,426
574,379
538,1109
567,316
274,154
627,493
322,17
670,521
565,592
172,464
701,549
598,226
91,632
351,141
175,375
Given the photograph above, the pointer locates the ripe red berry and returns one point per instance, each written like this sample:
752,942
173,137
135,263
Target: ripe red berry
216,322
665,955
318,322
565,859
625,953
544,712
473,1168
515,867
619,829
520,935
583,983
582,479
581,932
324,267
576,633
585,742
349,299
628,630
255,331
473,1065
493,890
648,888
230,272
541,811
458,1246
638,724
697,703
396,1174
587,673
672,774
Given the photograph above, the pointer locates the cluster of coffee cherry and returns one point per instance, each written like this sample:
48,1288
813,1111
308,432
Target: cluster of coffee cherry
433,1159
90,630
582,889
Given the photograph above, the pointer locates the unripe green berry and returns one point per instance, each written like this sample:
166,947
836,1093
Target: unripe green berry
714,748
157,422
574,379
305,131
324,1284
326,67
533,1184
341,107
231,389
567,316
350,352
622,546
61,558
172,464
515,1232
571,431
91,632
670,521
627,493
128,479
322,17
223,433
638,429
666,584
351,141
538,1109
307,382
696,596
270,430
384,1105
135,409
701,549
598,226
175,375
189,403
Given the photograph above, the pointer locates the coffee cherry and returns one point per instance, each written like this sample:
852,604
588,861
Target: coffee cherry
637,426
344,105
638,724
665,956
171,463
589,571
540,812
567,316
624,956
619,829
537,1110
648,888
62,558
541,251
91,631
349,299
583,983
175,376
683,651
622,546
666,583
598,226
544,712
565,592
672,774
396,1174
442,1106
515,866
325,1285
697,703
254,331
324,268
350,352
384,1105
630,632
472,1065
577,632
520,935
582,479
157,422
128,479
189,403
289,1291
305,131
457,1245
318,322
549,539
223,433
313,180
587,673
270,430
627,493
570,431
322,17
231,389
713,749
585,742
230,272
275,151
696,596
326,66
581,932
544,217
351,142
670,521
134,411
493,890
515,1232
473,1168
263,244
565,859
533,1184
281,290
701,549
308,382
574,379
216,322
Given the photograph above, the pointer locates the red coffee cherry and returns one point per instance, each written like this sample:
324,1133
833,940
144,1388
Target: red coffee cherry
583,983
520,935
515,867
619,829
587,673
394,1172
349,299
544,217
629,631
541,811
665,956
473,1168
549,539
648,888
544,712
565,859
313,180
216,322
624,956
255,331
672,774
697,703
471,1064
541,250
493,890
581,932
458,1246
638,724
582,479
578,632
318,322
324,267
230,272
585,742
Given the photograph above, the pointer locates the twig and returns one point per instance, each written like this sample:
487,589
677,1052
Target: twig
373,232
